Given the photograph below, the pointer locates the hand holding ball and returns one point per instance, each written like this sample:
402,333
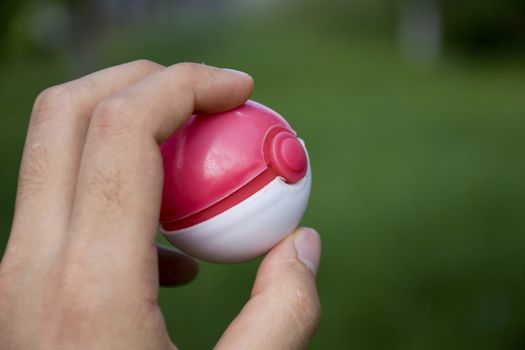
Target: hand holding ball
235,184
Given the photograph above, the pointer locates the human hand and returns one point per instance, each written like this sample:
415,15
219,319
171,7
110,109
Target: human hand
82,269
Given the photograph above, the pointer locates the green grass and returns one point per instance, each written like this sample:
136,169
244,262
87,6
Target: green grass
418,186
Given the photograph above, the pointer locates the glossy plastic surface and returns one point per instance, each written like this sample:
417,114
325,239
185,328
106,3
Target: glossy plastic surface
250,228
214,156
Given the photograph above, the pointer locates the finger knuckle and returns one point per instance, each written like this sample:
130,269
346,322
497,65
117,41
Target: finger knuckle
113,116
51,101
146,65
107,185
187,68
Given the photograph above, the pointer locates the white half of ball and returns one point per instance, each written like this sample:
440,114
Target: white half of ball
250,228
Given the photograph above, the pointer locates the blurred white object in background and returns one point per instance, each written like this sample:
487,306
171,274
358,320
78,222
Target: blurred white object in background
420,31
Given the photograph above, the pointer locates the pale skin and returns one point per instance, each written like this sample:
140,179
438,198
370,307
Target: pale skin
82,269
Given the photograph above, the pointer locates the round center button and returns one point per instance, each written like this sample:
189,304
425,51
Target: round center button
288,157
293,154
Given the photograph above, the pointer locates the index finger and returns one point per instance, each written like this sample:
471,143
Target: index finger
54,144
120,181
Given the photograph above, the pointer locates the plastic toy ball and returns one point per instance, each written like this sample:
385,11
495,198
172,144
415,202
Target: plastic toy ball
235,184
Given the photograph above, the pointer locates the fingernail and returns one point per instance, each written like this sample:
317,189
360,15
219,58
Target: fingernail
236,72
308,246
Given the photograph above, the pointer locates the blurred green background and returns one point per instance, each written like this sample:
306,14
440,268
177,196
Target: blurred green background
414,116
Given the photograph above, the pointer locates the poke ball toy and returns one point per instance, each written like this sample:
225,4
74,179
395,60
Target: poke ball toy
235,184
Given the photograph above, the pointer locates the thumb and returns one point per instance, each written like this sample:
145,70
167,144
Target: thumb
284,310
